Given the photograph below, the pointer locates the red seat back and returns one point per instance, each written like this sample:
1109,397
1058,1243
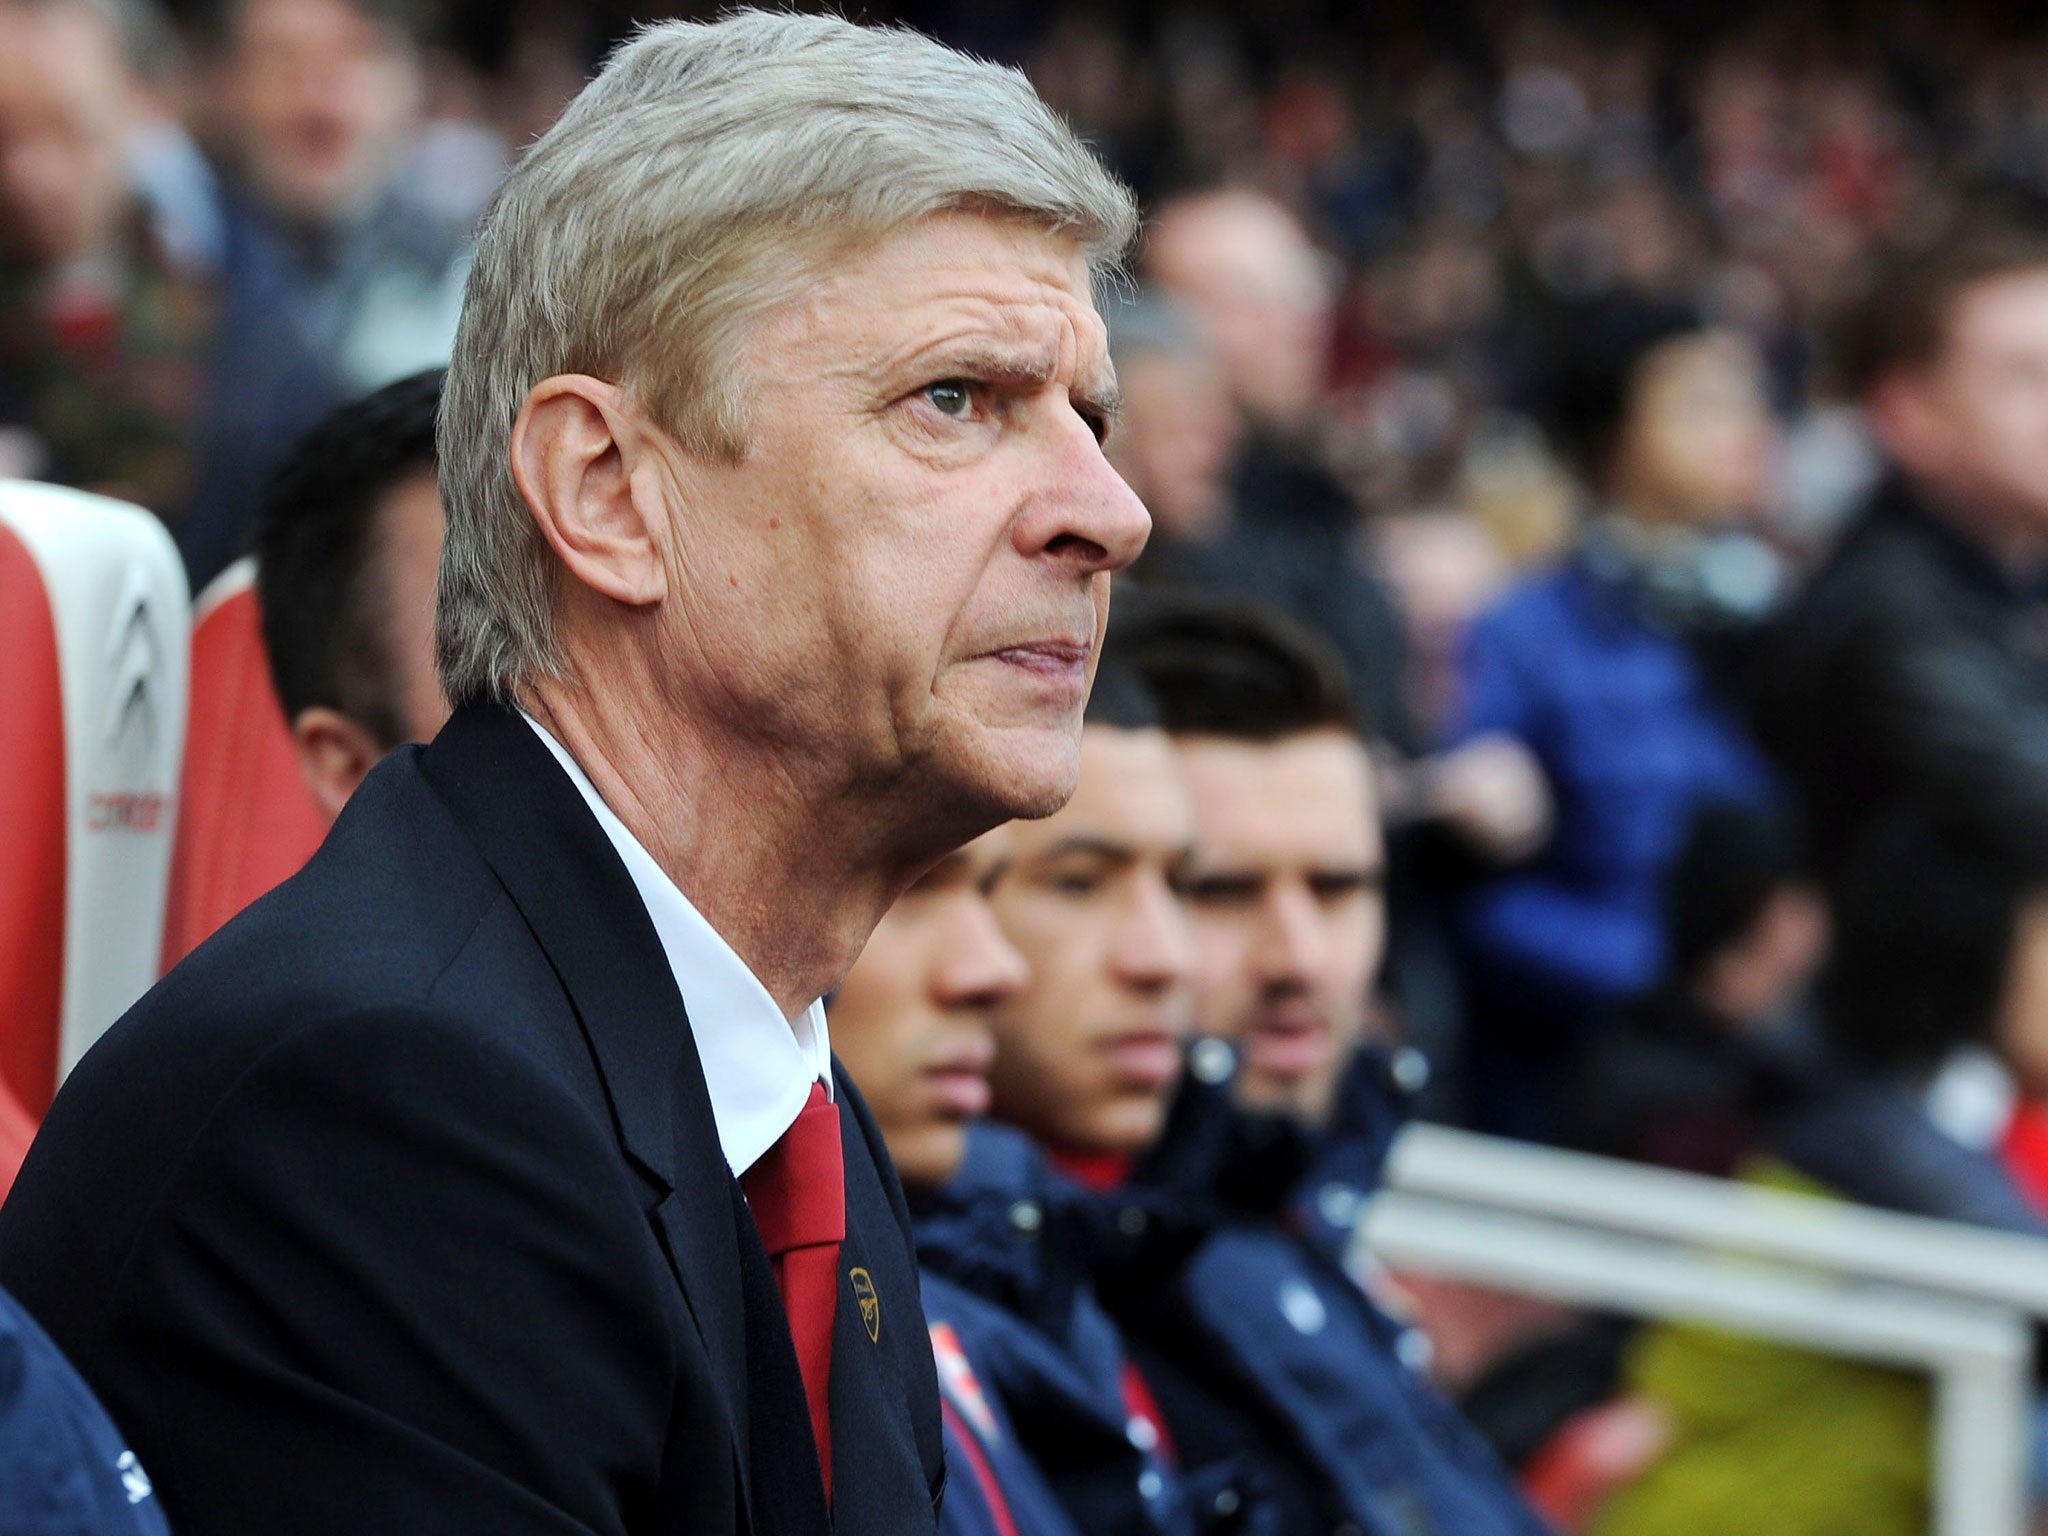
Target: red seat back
32,813
246,821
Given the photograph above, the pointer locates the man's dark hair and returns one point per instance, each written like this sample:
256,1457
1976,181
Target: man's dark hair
1734,859
1583,394
1120,698
1926,912
316,554
1216,667
1901,319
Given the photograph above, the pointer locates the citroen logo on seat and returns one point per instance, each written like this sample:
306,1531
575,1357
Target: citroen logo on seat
132,660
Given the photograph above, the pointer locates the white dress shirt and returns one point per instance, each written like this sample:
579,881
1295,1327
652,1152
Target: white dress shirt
758,1065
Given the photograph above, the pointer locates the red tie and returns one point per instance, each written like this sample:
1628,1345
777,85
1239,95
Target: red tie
798,1194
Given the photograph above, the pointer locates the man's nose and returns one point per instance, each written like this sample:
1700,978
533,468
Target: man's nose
1291,940
1154,947
978,966
1084,516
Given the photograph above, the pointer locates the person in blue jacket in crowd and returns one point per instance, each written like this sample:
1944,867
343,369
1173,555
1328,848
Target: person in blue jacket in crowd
64,1468
1031,1370
1267,1340
1605,666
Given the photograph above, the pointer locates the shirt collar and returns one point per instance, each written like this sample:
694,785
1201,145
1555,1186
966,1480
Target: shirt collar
758,1066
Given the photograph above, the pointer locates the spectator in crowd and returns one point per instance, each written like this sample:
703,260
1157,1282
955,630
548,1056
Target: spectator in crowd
1682,1077
1940,963
1933,1001
348,544
1592,666
1175,446
1266,1344
1260,295
1087,1055
63,1466
912,1026
332,284
104,340
1914,667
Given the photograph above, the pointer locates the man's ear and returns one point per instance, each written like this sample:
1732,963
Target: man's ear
335,752
1902,418
575,446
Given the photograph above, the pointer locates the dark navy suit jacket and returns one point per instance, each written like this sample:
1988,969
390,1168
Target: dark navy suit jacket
399,1207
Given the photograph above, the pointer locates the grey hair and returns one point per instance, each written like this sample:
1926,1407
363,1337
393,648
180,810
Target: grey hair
690,188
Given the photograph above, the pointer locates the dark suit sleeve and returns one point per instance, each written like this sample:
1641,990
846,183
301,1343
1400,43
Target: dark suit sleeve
400,1283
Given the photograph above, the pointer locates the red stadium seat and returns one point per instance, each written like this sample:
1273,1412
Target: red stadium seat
93,615
246,820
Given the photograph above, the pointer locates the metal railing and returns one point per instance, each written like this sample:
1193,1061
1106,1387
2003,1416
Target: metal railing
1957,1302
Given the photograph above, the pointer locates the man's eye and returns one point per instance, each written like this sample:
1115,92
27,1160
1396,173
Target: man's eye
952,398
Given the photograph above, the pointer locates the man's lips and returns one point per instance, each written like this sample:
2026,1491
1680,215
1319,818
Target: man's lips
957,1091
1143,1058
958,1080
1291,1042
1059,661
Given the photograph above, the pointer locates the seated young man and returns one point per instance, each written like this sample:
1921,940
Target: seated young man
1267,1343
1013,1249
348,543
911,1026
1032,1375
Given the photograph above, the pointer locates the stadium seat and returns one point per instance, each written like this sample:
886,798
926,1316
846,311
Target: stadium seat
246,820
93,620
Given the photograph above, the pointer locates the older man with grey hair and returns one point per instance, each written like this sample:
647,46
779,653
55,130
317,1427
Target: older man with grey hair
493,1175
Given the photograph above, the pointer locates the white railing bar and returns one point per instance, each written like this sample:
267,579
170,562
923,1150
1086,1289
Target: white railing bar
1600,1192
1978,1355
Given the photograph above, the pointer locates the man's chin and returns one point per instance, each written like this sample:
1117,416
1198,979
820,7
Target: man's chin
1029,780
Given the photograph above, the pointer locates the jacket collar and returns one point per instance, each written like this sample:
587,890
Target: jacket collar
532,827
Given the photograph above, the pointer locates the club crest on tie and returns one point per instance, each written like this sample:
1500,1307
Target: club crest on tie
870,1303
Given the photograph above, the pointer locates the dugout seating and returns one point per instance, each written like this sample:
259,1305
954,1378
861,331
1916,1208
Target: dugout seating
93,620
246,821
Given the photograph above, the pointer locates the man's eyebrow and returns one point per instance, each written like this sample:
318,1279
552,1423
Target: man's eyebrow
1082,844
998,365
1105,400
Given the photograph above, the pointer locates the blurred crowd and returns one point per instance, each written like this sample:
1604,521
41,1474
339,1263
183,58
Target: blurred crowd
1647,411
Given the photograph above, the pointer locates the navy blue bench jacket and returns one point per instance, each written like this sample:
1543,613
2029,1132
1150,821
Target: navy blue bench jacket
399,1208
64,1468
1263,1346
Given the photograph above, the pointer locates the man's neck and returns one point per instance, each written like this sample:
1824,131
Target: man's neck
791,886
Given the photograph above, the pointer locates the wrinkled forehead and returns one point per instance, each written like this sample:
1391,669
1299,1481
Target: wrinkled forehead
960,278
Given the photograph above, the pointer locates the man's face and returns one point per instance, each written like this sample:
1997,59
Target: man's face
1247,269
1178,437
315,98
1974,423
1697,445
1290,921
66,106
900,586
1089,1052
913,1020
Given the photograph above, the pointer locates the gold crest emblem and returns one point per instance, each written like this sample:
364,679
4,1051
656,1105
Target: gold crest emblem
870,1303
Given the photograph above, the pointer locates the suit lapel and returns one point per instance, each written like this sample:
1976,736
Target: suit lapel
887,1466
532,826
